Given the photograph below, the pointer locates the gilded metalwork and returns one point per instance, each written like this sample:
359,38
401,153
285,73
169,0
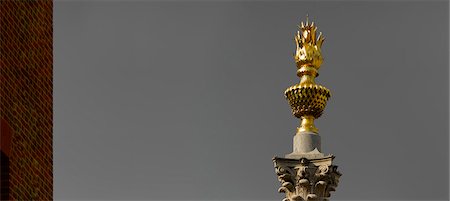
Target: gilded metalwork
307,99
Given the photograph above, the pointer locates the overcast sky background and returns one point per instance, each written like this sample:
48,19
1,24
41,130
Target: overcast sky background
184,100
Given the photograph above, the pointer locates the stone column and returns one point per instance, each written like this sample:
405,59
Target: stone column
307,174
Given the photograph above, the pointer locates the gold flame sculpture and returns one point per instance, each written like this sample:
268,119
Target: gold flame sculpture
307,99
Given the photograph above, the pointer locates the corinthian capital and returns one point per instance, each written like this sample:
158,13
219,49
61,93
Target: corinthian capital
306,180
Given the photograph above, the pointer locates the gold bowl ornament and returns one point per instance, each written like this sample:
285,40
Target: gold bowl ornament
307,99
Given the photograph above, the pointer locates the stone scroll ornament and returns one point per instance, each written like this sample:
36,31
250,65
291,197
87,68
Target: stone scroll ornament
305,180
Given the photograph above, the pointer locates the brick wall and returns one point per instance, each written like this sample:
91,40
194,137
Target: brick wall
26,97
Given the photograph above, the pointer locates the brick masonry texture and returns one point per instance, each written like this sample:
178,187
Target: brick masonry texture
26,112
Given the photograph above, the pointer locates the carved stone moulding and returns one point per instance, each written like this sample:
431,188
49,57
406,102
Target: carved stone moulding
306,179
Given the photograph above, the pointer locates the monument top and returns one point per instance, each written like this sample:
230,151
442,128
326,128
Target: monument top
307,99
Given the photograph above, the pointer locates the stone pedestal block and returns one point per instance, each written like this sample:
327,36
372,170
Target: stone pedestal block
306,142
306,145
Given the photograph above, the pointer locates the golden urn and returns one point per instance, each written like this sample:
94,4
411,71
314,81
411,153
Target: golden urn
307,99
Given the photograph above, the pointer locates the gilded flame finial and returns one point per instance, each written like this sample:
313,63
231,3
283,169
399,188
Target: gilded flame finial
308,55
307,99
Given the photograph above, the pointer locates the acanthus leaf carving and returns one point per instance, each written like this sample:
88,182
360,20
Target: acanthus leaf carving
304,180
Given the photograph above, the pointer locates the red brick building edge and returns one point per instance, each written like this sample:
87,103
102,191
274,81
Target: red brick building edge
26,100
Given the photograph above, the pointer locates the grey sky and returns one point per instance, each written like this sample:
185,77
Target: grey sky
184,100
